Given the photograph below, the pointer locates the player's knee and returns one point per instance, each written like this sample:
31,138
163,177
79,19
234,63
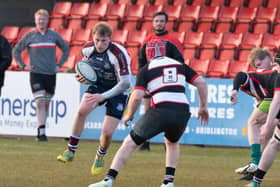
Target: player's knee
169,143
84,109
129,142
82,112
166,141
107,133
274,144
137,139
171,140
252,121
40,103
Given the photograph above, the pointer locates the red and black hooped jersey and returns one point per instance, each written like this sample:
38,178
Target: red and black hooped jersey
260,84
165,79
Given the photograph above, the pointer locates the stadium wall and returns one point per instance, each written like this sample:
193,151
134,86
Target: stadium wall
227,125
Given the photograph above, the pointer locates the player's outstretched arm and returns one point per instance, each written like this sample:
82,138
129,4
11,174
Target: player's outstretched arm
133,104
201,86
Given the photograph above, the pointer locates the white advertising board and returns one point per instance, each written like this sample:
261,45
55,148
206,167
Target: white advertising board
17,106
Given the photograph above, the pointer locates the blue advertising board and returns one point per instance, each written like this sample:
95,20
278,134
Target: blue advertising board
227,125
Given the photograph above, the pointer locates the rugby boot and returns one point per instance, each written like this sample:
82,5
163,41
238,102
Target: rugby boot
103,183
249,168
253,184
97,165
42,138
67,156
170,184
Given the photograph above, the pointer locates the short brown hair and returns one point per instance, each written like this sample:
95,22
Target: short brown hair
258,53
102,29
42,12
161,14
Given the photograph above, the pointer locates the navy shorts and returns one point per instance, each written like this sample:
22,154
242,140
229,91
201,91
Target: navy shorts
156,120
115,106
42,82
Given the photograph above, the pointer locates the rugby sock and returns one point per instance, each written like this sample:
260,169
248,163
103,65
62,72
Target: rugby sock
259,176
41,130
111,175
73,143
101,151
169,175
256,153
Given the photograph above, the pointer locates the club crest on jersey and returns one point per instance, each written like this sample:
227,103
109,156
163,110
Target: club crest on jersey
107,66
155,48
120,107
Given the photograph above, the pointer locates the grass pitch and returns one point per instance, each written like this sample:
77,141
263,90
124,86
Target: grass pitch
26,163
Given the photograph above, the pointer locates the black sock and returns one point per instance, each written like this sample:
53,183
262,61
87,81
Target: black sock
259,175
112,174
169,175
41,130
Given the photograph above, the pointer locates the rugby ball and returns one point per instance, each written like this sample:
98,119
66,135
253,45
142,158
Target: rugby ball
84,69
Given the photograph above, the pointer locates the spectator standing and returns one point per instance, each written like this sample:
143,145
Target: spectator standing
41,45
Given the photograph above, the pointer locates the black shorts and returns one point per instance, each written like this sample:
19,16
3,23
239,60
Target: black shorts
157,120
147,96
115,106
42,82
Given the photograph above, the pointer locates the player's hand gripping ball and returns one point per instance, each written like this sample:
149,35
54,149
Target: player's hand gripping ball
84,69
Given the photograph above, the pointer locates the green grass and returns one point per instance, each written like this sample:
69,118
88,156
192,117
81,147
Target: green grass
26,163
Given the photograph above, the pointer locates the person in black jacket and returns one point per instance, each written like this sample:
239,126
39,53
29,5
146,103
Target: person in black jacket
5,58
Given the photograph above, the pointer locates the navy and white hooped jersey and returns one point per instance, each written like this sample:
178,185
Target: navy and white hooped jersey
165,79
110,65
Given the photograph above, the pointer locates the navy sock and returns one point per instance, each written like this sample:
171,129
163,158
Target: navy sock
101,151
73,143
